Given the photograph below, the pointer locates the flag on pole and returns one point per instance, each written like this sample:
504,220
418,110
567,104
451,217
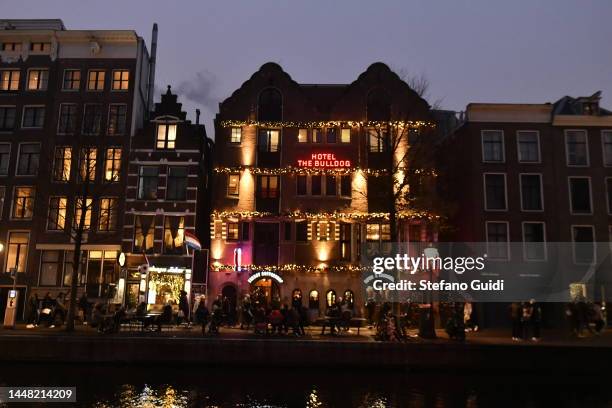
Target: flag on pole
145,257
191,241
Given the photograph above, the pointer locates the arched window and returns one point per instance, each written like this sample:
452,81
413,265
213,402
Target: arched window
313,299
330,297
270,105
349,298
378,106
296,295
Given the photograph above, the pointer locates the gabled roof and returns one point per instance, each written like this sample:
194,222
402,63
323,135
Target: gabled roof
569,105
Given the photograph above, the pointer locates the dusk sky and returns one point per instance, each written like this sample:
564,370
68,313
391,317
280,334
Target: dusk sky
470,51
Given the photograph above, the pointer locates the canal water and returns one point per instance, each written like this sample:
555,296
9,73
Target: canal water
176,386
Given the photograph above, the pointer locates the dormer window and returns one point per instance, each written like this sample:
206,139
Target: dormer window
166,135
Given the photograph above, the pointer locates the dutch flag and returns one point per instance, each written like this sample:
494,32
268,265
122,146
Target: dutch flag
191,241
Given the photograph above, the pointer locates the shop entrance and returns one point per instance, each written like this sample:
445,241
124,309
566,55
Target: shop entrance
264,291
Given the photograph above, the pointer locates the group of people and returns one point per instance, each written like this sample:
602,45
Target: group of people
526,320
583,315
49,312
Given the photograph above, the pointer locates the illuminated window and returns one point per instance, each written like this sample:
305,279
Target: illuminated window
9,80
67,119
236,135
121,80
23,204
376,140
317,136
108,214
303,136
38,79
147,182
81,207
268,140
349,298
56,220
323,231
233,184
17,252
330,297
92,119
313,299
166,136
61,163
95,80
345,135
11,46
112,165
117,116
232,231
576,147
28,160
267,187
49,268
72,80
378,232
7,118
5,155
174,230
40,46
33,116
144,231
87,165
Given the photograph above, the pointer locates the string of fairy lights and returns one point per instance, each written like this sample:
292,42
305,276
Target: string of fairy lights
302,171
412,214
412,124
291,268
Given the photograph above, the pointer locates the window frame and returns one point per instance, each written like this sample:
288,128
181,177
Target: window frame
228,191
14,201
484,189
59,264
168,178
59,208
123,132
235,224
66,70
8,163
141,179
540,178
586,143
98,71
55,159
74,119
23,116
17,164
113,161
121,80
10,79
46,81
7,249
342,129
592,228
239,131
503,146
166,141
603,147
509,255
112,214
100,114
518,147
569,191
545,242
7,107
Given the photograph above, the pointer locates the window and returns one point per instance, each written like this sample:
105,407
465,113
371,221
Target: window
531,192
11,46
233,185
492,146
376,140
606,139
121,80
268,187
108,214
287,230
232,231
268,140
49,268
332,135
2,196
5,156
236,135
117,114
67,119
56,221
378,232
112,165
166,136
497,240
174,230
17,253
87,166
345,186
345,135
7,118
95,80
345,242
315,188
33,116
92,119
38,79
81,205
609,194
68,260
301,231
147,183
9,80
330,297
534,245
100,272
330,185
40,46
313,300
323,228
270,106
144,231
495,192
583,247
245,231
61,163
72,80
580,195
28,160
23,204
176,188
528,146
576,148
302,182
303,136
317,136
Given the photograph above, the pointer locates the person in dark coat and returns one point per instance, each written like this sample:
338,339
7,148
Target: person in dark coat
32,311
536,320
184,306
202,315
515,316
84,307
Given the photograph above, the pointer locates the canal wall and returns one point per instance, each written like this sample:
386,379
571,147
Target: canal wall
303,353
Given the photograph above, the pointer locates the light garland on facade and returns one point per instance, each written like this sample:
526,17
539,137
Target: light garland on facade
404,214
301,171
291,268
413,124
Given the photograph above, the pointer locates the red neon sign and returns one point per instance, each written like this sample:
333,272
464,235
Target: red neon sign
324,160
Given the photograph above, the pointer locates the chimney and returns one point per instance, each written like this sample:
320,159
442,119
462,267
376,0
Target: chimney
197,116
152,68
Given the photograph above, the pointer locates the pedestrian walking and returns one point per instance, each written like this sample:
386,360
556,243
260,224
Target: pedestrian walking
516,315
32,311
184,307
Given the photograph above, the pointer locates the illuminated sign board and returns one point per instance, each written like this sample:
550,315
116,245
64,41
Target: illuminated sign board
264,274
323,160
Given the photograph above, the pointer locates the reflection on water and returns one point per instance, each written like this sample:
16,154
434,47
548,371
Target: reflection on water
177,387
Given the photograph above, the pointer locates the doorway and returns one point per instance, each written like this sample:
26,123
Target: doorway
264,292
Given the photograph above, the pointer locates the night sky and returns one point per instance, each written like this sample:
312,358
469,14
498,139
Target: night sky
470,51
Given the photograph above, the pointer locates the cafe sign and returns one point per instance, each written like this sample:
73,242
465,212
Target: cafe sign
323,160
265,274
